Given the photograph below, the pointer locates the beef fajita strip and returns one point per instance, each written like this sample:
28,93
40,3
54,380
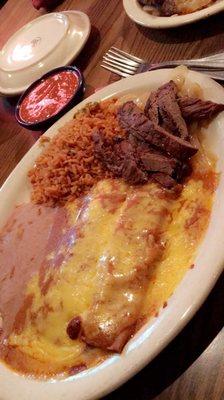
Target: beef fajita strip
124,268
164,180
134,121
132,160
194,109
162,108
169,7
154,162
119,158
151,2
151,107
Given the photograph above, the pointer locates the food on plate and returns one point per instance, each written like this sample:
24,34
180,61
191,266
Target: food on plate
106,140
171,7
122,275
193,109
121,199
68,167
49,96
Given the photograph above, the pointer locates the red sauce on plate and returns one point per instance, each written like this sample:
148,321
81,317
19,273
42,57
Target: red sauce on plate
49,97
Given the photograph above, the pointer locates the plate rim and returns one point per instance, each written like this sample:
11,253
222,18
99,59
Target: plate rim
86,383
141,17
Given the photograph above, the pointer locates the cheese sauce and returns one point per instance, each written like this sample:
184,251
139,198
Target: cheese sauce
40,296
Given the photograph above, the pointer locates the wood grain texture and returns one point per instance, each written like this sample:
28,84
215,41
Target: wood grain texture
192,366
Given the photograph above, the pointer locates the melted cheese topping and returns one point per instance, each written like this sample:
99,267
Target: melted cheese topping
186,7
111,225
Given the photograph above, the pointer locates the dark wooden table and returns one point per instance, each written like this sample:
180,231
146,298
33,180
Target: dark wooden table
192,366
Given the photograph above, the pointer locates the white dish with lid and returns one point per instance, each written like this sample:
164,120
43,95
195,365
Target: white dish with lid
47,42
136,12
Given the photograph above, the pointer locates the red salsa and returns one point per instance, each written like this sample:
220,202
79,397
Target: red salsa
49,97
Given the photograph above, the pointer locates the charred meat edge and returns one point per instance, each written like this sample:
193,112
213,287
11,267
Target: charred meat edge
134,121
163,109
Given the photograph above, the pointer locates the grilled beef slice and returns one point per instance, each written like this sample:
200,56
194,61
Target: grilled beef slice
134,121
195,109
159,163
155,162
166,7
164,180
119,158
132,173
136,162
149,149
162,108
104,152
169,7
155,3
152,108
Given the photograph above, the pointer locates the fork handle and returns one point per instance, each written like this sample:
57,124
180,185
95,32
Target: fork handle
213,65
188,63
214,62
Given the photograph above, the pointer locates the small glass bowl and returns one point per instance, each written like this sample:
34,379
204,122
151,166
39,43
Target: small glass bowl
46,123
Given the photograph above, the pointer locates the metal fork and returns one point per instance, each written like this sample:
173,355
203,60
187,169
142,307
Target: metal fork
125,64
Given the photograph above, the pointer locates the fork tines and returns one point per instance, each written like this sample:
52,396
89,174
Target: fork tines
120,62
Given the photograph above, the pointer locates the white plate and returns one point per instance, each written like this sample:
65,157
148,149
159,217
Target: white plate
135,11
47,42
189,295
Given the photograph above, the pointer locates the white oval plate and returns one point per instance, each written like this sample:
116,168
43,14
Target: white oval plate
35,49
135,11
189,295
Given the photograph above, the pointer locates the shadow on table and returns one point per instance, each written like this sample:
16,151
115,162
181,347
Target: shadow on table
181,352
207,28
89,49
2,3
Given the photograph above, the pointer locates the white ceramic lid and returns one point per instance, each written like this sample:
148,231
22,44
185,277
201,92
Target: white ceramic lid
50,41
33,42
